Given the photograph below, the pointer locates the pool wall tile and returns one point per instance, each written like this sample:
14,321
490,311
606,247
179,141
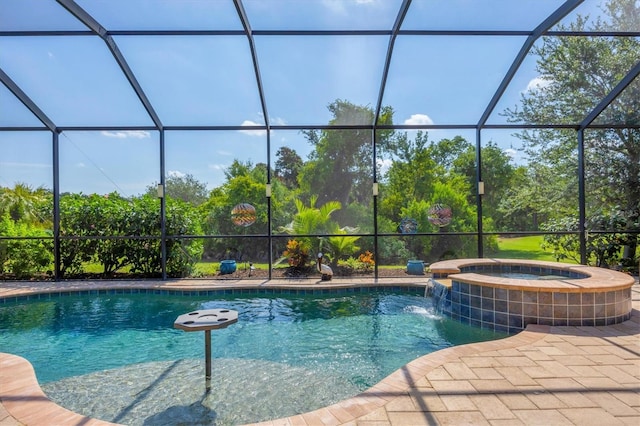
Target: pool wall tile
464,310
575,312
488,317
502,309
560,312
530,296
515,295
487,292
610,310
515,321
545,311
488,304
574,299
501,306
464,299
501,328
530,309
475,302
559,298
588,311
501,318
475,314
545,298
515,307
545,321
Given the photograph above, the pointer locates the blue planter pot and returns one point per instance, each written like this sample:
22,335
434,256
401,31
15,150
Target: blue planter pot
227,267
415,267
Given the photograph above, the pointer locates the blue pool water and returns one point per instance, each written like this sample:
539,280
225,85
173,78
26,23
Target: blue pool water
529,276
125,346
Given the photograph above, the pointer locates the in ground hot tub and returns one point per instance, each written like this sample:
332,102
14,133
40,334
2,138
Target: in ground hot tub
509,294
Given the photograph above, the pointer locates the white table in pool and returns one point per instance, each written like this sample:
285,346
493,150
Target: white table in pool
206,320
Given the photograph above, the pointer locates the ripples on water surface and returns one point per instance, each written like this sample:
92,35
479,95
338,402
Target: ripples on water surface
118,357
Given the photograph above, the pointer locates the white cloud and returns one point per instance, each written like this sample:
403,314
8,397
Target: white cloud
252,132
26,165
340,7
138,134
217,167
419,119
176,174
511,153
81,165
517,156
277,121
384,165
334,6
537,84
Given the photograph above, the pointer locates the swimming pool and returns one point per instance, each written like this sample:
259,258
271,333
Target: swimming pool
118,358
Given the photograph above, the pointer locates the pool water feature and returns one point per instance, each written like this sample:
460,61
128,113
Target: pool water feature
441,296
118,358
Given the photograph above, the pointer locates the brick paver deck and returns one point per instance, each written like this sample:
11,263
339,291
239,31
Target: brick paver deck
541,376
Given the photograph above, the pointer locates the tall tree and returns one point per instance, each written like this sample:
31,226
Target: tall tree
183,187
422,175
498,174
577,73
341,166
410,176
245,183
288,165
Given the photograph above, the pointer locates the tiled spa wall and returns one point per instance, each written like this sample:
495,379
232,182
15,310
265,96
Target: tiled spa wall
511,310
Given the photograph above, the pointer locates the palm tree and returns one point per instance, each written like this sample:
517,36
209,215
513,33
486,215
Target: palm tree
311,220
22,202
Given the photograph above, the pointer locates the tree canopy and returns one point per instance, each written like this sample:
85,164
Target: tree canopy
577,73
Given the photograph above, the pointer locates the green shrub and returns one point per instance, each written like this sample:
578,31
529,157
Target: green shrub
24,257
362,265
139,218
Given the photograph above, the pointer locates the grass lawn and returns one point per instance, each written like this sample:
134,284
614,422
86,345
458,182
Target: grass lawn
508,248
212,268
523,248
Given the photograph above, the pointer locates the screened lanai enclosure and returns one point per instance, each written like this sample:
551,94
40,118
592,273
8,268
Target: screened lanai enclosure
158,138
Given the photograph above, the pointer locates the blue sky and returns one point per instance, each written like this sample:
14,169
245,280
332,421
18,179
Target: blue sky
210,81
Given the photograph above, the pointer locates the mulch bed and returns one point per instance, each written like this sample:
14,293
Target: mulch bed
242,272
